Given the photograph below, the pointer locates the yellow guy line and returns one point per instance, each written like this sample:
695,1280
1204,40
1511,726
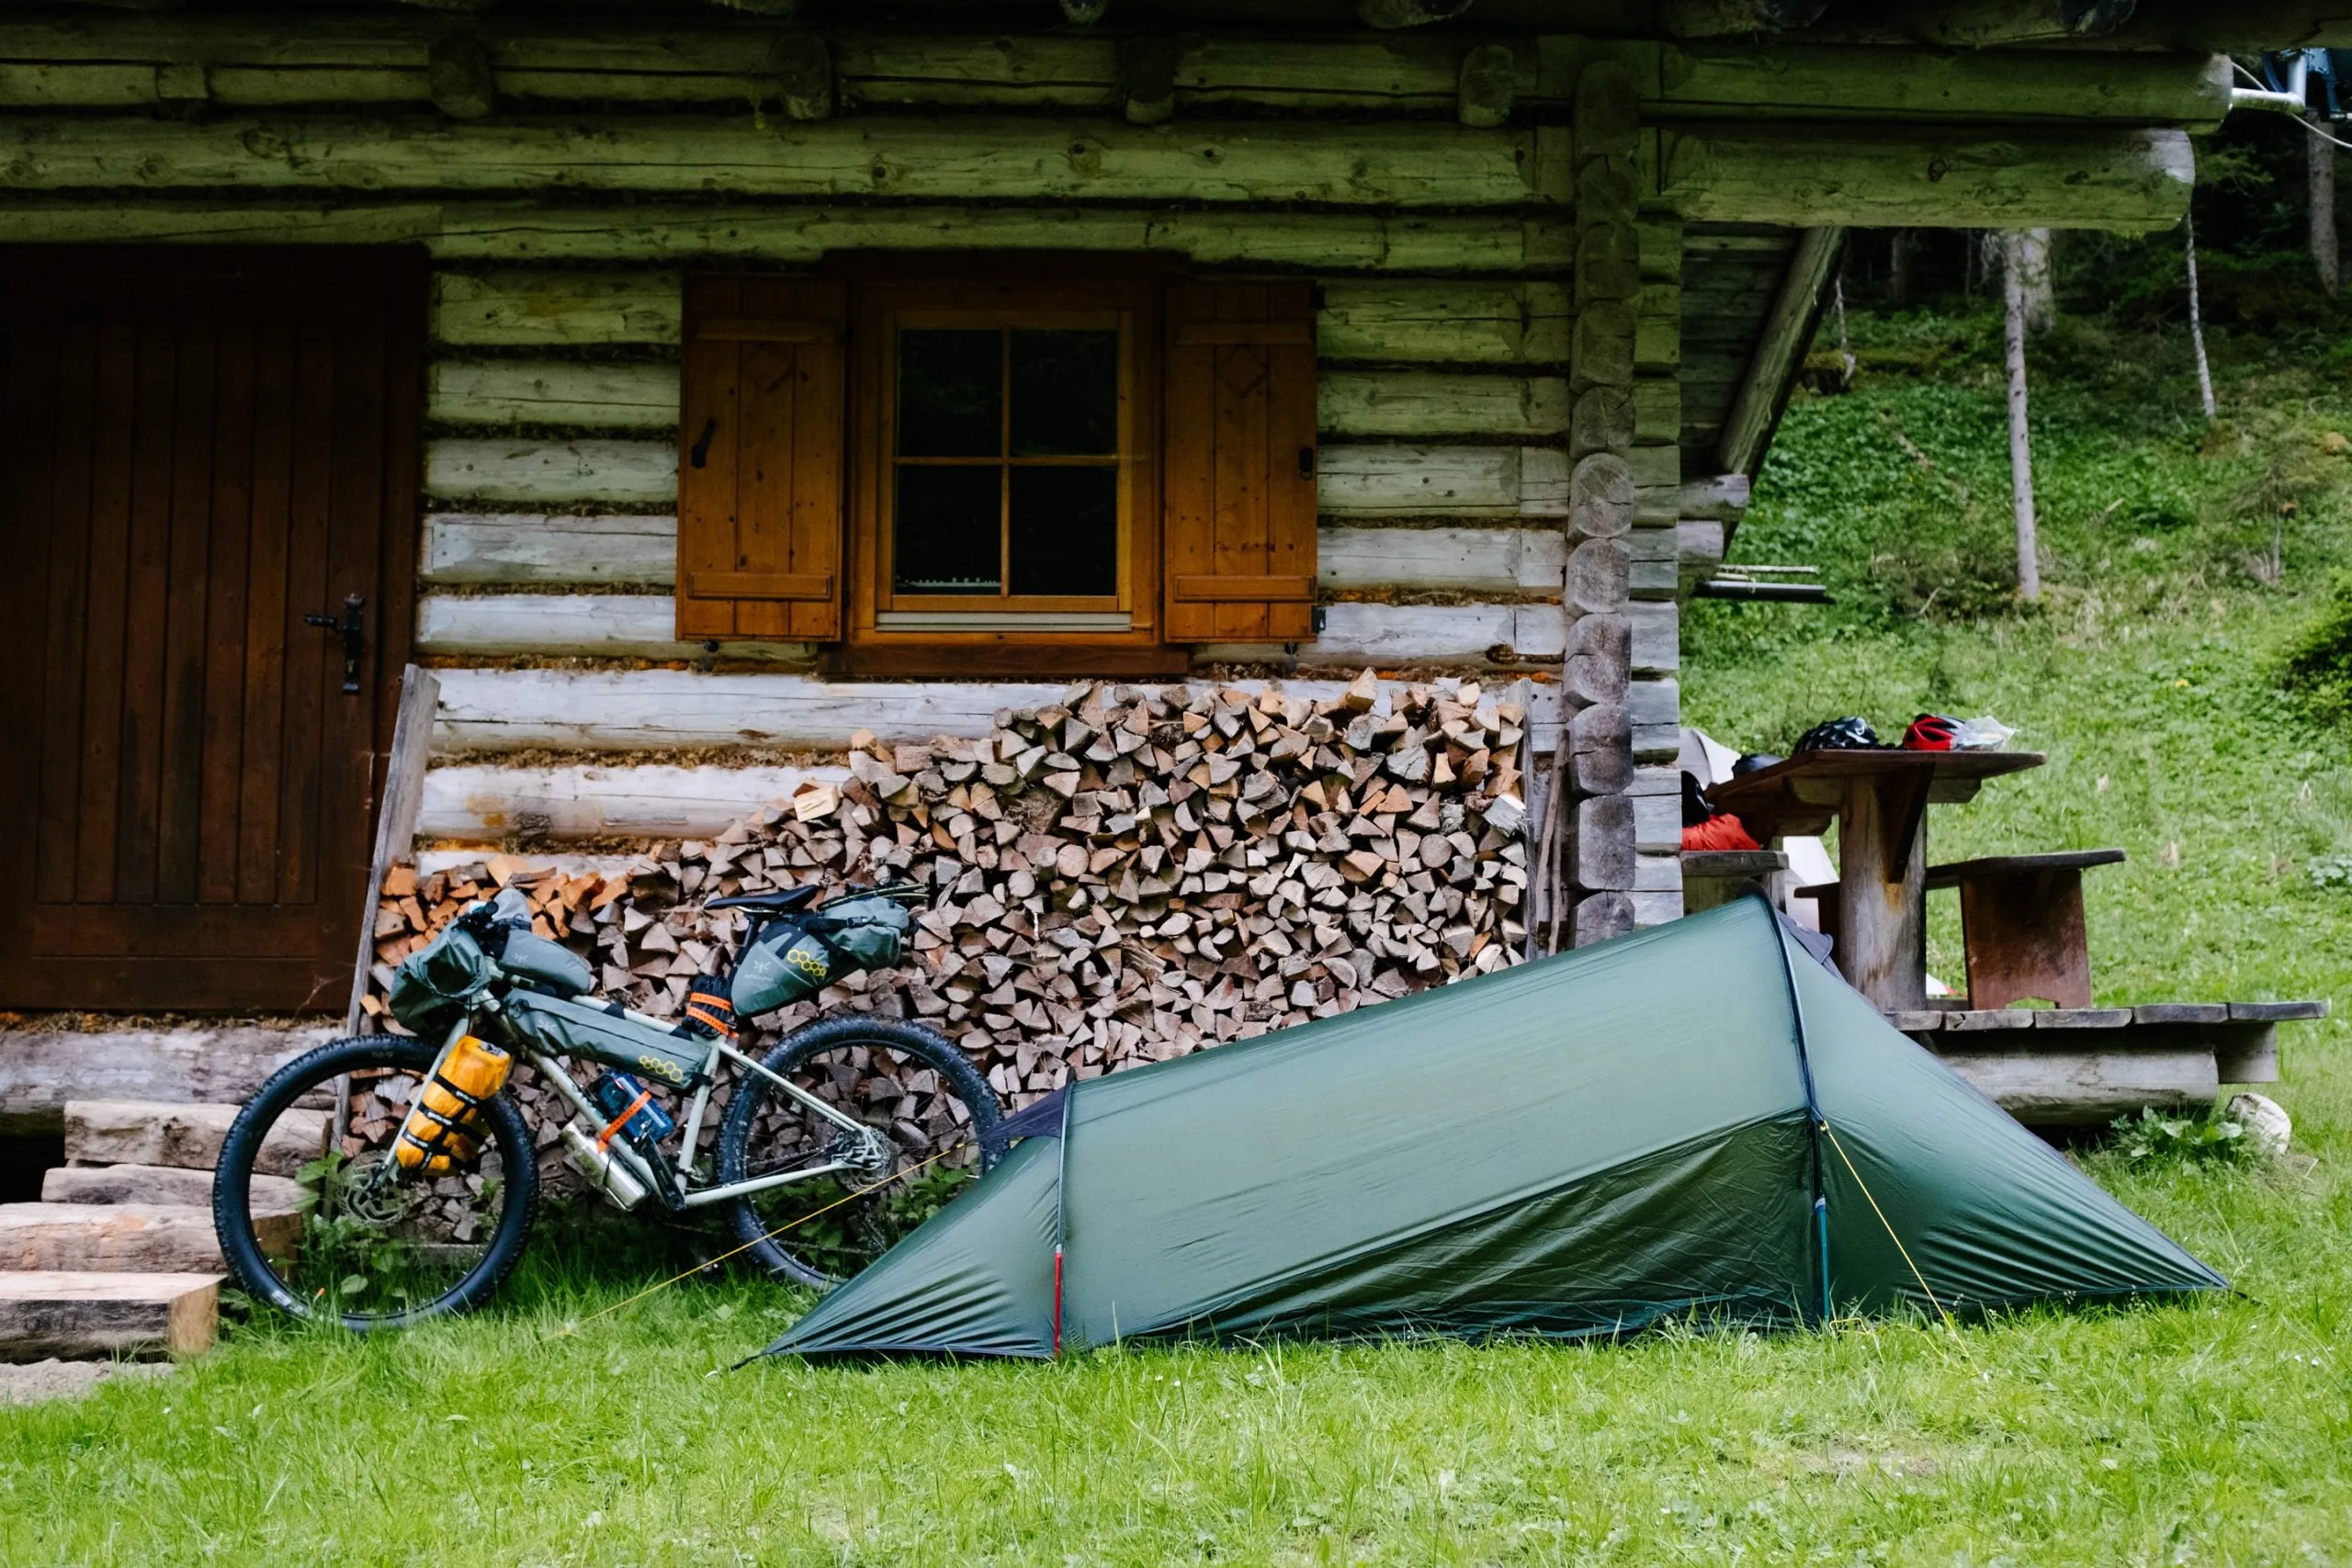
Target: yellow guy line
1950,1327
715,1262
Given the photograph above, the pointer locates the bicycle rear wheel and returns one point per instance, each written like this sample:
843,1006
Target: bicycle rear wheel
341,1232
926,1127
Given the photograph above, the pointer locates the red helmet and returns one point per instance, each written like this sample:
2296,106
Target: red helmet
1932,732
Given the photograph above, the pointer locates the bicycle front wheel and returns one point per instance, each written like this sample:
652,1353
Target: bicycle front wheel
912,1123
339,1232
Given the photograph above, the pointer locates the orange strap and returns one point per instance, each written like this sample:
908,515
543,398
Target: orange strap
621,1121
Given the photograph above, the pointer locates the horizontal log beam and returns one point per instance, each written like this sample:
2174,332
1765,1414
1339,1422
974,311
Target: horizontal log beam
2081,1087
1406,320
1368,480
116,62
1398,163
641,625
1817,82
534,550
529,232
599,625
540,550
1461,560
483,802
619,474
1811,178
1422,320
508,710
586,395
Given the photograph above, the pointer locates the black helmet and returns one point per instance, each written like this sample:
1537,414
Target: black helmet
1839,735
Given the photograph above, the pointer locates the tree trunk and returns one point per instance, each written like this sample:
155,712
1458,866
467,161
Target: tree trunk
2197,326
2014,289
2319,152
1898,268
2032,267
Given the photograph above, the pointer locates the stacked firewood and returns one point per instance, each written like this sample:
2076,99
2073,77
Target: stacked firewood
1126,876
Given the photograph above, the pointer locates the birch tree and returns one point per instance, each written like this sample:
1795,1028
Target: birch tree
2017,257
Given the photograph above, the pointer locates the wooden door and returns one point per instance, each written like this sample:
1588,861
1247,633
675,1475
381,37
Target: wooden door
200,449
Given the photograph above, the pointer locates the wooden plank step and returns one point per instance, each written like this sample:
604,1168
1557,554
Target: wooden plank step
135,1131
125,1238
2277,1012
157,1184
40,1069
77,1316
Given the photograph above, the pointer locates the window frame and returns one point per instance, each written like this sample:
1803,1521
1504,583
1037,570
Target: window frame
888,597
967,289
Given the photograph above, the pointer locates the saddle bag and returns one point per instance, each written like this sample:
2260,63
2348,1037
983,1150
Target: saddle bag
794,957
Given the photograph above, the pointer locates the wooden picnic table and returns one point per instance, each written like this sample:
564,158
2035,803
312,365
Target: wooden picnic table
1878,800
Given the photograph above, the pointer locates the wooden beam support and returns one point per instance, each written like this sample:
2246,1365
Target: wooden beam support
1817,82
1985,24
457,75
802,70
1490,79
1408,13
1723,18
1148,67
396,812
1764,392
1255,163
1805,178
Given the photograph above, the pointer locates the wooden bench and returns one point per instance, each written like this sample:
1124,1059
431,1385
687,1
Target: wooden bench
2021,923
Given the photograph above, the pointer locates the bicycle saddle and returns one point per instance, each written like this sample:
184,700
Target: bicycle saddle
782,901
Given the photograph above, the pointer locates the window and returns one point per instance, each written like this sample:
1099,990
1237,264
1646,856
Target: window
1004,481
965,465
1006,492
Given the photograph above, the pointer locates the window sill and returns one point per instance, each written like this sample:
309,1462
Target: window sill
999,657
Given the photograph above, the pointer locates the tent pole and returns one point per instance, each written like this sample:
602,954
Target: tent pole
1813,1122
1061,1194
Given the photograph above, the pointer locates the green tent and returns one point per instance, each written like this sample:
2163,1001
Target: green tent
1700,1118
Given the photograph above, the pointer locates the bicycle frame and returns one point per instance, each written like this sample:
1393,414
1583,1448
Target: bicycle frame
719,1192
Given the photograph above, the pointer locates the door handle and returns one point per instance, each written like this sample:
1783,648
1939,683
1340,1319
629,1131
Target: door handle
355,639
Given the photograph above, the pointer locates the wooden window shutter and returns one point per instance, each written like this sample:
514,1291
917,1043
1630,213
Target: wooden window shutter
1239,468
760,454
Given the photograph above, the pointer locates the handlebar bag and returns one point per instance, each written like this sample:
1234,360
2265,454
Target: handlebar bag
434,983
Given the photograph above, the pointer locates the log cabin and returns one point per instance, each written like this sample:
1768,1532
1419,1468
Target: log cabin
688,386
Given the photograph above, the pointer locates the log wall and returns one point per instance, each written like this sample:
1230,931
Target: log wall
1501,298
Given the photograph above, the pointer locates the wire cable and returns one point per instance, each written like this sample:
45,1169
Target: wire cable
1950,1327
709,1264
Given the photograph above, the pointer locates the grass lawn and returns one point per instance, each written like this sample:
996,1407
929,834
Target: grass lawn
2219,1431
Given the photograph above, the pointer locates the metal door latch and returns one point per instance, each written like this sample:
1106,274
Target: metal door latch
355,636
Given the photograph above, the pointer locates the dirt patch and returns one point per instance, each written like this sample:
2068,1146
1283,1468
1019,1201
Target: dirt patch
30,1382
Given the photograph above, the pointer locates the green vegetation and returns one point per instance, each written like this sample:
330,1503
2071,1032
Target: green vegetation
2218,1431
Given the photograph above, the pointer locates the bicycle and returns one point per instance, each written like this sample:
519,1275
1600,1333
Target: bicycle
383,1179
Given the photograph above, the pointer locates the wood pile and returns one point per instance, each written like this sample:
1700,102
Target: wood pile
1124,876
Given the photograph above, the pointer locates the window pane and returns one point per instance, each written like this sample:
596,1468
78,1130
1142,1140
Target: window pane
1065,531
947,539
1065,394
951,394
